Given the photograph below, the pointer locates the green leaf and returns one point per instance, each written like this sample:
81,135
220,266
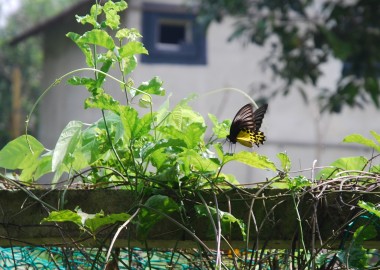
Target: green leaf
111,9
297,183
153,87
191,160
191,134
102,101
94,222
95,11
343,164
357,138
20,153
221,130
132,48
370,207
97,37
128,64
251,159
39,168
286,164
151,214
85,48
356,254
67,143
181,116
131,34
89,83
63,216
129,118
226,219
148,149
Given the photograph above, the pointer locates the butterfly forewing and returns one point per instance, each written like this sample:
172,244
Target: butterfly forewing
248,122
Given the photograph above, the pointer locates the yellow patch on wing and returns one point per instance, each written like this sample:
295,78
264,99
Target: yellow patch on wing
248,137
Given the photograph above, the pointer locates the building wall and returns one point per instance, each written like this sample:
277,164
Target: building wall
290,124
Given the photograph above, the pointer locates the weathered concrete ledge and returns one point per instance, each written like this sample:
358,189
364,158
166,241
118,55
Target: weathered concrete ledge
274,225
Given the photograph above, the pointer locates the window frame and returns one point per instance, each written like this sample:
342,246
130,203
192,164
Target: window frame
189,53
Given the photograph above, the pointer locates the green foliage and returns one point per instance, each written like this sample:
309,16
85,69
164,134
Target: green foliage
226,220
161,155
356,164
87,222
143,150
370,207
303,36
152,212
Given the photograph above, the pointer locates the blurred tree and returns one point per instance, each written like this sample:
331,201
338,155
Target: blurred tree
303,35
27,55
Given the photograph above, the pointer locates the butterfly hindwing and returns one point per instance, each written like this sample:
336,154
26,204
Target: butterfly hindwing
246,124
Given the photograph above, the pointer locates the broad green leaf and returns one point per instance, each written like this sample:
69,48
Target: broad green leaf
132,48
343,164
357,138
153,87
297,183
87,19
286,164
95,141
183,115
102,101
191,160
370,207
191,134
99,220
149,148
129,118
97,37
143,125
356,255
221,130
85,48
21,153
111,10
91,18
67,143
63,216
169,176
89,83
251,159
148,217
128,64
131,34
39,168
226,219
280,185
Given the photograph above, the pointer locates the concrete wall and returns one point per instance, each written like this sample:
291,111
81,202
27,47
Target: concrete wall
290,124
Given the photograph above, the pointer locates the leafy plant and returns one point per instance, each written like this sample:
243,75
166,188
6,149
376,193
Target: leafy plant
161,157
145,151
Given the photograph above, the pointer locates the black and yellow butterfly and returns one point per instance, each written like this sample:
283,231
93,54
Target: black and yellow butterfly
246,124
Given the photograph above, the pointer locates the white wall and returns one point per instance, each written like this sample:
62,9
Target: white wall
290,124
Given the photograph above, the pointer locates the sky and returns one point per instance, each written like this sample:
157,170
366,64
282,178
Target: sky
7,7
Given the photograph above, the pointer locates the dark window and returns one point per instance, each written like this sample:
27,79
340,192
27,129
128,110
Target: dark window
172,35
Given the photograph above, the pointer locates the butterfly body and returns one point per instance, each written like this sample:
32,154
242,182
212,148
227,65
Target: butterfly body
245,127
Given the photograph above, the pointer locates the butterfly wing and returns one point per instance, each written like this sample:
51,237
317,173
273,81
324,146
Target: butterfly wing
246,124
